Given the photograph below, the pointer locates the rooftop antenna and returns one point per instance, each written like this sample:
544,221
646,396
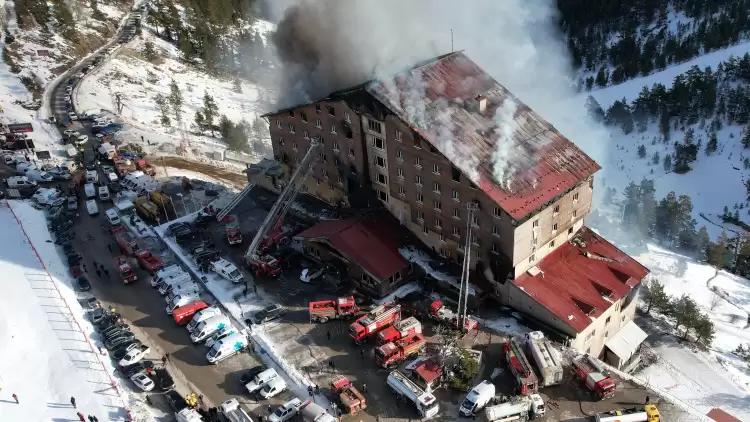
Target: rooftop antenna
451,41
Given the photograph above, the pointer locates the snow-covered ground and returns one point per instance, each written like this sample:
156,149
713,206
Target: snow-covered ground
48,354
138,81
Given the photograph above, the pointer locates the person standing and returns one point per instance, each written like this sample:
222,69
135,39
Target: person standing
73,402
15,397
81,417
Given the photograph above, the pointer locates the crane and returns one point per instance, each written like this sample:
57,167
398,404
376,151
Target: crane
240,196
463,293
271,230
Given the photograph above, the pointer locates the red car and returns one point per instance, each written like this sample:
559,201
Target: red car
76,271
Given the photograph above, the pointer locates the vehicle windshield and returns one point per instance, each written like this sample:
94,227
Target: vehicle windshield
468,404
235,274
430,406
279,411
127,273
213,352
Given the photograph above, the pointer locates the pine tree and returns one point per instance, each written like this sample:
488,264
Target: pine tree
685,312
595,110
162,103
702,240
175,100
149,51
9,38
210,111
655,296
601,78
655,158
667,163
746,137
641,151
712,145
200,121
704,330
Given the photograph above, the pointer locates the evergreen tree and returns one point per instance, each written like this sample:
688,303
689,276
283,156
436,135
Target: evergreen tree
601,78
718,253
149,51
655,296
641,151
9,38
745,138
667,163
704,330
175,100
655,158
684,312
712,144
595,111
64,17
162,103
702,240
210,111
200,121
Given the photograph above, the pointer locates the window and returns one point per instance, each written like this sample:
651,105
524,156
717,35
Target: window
425,231
335,146
418,180
606,334
281,141
552,244
291,129
442,239
535,223
331,111
400,172
317,108
475,221
399,154
443,253
591,183
351,152
420,215
294,145
606,321
477,254
420,198
349,135
456,232
398,135
347,118
531,259
380,162
575,213
318,124
303,117
317,182
333,129
455,174
306,135
291,113
340,180
456,213
335,161
435,169
383,196
570,230
496,212
474,239
437,205
557,209
436,187
379,143
554,227
325,174
438,224
374,126
494,248
401,191
418,162
417,143
575,197
495,231
382,179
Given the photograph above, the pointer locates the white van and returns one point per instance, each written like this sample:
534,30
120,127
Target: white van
208,327
220,334
226,347
260,380
44,196
317,413
203,315
92,176
40,176
90,190
129,180
227,270
182,300
168,280
92,208
177,288
479,396
69,166
164,272
104,193
16,182
112,216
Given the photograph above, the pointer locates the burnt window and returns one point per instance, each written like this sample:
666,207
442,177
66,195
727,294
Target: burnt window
317,108
379,143
417,143
291,113
375,126
352,169
303,117
455,174
383,196
331,111
349,134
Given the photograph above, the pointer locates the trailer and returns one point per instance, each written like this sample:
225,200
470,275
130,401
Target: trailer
588,370
520,367
377,319
325,310
547,359
400,330
521,408
425,403
391,354
646,413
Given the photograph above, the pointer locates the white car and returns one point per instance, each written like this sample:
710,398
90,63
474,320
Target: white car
24,167
133,356
309,275
273,388
71,133
59,174
100,124
73,116
142,381
286,411
82,139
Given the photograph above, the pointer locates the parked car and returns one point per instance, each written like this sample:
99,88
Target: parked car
83,283
175,400
164,379
267,314
123,350
134,356
142,381
72,203
128,371
111,344
251,373
68,249
59,174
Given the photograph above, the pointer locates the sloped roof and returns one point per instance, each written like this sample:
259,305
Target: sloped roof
371,244
510,152
626,341
721,416
582,278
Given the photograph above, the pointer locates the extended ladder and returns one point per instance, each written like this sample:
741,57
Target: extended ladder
240,196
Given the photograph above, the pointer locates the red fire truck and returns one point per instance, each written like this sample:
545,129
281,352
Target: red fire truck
232,228
391,354
325,310
127,243
126,271
400,330
149,261
520,367
592,374
377,319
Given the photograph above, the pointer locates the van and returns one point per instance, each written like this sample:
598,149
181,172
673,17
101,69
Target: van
112,216
184,314
168,280
260,380
40,176
226,347
104,193
202,316
220,334
164,272
181,300
479,396
228,271
16,182
276,386
44,196
316,413
69,166
92,176
92,208
173,289
208,327
90,190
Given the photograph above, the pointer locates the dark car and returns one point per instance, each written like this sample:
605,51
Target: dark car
267,314
175,400
68,248
97,315
123,350
251,373
75,270
83,283
118,341
164,380
115,328
114,332
108,321
73,260
130,370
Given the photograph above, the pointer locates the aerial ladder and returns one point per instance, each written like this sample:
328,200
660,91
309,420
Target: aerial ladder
271,230
224,212
463,291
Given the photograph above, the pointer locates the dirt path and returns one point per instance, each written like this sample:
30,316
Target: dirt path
238,180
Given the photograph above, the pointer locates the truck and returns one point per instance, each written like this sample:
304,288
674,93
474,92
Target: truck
184,314
325,310
181,300
148,261
188,415
479,396
391,354
377,319
127,243
107,151
547,359
526,382
313,412
146,209
399,330
588,370
444,315
123,166
425,403
233,412
145,167
232,228
161,200
349,398
646,413
520,408
125,270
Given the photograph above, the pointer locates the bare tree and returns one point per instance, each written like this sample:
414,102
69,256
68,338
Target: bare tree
715,301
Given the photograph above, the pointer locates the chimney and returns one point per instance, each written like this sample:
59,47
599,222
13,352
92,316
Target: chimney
481,103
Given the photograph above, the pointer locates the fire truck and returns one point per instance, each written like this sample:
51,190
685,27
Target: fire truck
377,319
149,261
125,270
520,367
399,330
441,313
232,228
645,413
127,243
588,370
350,399
325,310
391,354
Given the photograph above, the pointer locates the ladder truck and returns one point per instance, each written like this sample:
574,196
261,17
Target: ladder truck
588,370
271,231
224,212
377,319
520,367
546,357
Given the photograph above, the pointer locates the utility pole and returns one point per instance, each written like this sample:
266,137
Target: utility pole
452,41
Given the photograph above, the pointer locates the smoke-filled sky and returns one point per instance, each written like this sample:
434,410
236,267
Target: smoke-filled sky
327,45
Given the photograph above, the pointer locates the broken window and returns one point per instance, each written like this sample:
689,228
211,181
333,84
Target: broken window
455,174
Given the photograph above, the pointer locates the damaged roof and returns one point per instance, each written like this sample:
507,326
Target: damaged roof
581,279
520,160
371,244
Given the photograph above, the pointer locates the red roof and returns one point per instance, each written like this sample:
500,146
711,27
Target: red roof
368,243
582,278
511,153
428,370
721,416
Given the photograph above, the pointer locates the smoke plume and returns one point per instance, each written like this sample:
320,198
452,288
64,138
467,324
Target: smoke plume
326,45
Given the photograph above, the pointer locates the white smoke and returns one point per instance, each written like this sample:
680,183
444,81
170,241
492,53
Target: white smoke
502,157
